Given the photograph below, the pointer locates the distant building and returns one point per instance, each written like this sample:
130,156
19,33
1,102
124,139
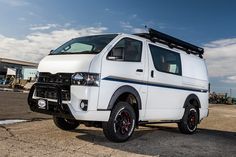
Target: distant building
28,73
16,68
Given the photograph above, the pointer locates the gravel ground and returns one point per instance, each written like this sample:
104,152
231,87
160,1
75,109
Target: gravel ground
216,137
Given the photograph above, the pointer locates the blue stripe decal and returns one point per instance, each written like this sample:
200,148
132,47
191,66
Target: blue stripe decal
153,84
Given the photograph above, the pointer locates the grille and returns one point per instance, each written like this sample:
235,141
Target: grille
61,79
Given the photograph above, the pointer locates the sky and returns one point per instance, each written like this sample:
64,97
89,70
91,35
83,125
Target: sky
29,29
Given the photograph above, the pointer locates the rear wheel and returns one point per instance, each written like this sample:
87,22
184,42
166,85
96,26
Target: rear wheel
65,124
189,122
120,126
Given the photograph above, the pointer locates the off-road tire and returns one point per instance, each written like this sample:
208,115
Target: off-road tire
65,124
121,124
188,124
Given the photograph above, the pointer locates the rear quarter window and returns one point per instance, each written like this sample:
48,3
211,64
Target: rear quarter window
165,60
194,67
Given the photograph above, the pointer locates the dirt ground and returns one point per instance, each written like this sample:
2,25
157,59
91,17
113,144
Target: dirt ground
216,137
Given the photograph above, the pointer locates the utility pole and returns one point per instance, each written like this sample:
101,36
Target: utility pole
230,92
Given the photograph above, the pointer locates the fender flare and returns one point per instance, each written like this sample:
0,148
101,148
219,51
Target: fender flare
121,90
192,97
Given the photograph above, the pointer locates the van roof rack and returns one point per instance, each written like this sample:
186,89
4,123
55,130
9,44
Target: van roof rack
172,42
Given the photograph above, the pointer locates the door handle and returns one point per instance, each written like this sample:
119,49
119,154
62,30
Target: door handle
152,73
139,70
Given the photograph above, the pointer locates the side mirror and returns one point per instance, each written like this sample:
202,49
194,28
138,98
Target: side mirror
112,57
116,53
51,52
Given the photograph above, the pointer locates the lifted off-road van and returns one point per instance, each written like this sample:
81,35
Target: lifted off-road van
118,81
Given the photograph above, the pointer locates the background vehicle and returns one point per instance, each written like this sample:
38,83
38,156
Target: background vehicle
2,81
118,81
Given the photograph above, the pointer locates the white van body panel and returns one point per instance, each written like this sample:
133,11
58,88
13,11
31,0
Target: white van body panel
193,67
163,103
65,63
194,72
125,71
195,75
166,103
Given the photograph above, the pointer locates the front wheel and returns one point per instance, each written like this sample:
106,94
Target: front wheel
188,124
65,124
120,126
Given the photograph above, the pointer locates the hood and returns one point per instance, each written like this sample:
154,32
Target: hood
65,63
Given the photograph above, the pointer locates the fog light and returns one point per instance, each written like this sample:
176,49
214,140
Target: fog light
84,105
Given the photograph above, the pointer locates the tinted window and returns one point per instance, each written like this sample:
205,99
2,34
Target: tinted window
126,50
85,45
165,60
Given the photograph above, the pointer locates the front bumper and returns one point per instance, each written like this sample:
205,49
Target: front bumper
56,108
65,109
204,112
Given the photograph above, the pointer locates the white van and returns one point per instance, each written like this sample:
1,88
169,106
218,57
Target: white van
118,81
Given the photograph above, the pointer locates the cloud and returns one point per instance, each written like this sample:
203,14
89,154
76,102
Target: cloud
31,13
139,30
37,45
221,58
22,19
133,16
43,27
107,9
221,43
15,3
230,79
68,24
127,27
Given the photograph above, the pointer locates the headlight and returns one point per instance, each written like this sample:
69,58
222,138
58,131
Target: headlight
85,79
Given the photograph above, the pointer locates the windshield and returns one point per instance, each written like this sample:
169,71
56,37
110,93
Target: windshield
85,45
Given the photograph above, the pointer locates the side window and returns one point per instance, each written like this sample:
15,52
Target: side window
126,49
165,60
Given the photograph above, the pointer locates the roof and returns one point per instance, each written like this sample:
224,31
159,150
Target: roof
18,62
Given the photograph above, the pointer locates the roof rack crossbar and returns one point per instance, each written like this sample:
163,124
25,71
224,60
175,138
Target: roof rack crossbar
172,42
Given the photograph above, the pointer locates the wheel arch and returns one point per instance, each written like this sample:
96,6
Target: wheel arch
122,90
127,92
192,99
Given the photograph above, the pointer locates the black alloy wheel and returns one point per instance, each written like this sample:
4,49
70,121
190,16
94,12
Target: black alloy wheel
121,124
188,124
